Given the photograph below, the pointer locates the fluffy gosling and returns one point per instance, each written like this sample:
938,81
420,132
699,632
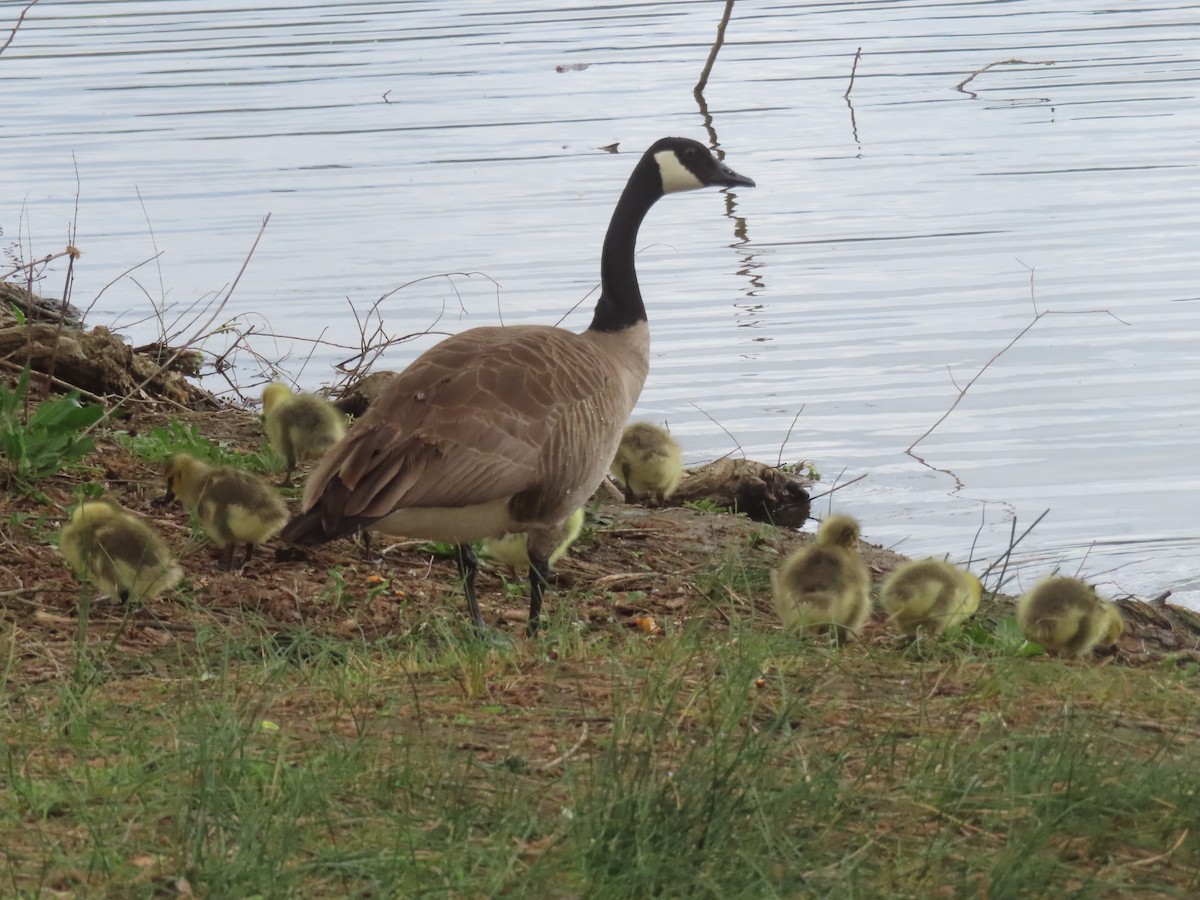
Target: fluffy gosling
512,550
1067,617
825,586
300,426
648,463
234,506
118,551
929,594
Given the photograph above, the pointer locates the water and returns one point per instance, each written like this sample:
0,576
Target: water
891,249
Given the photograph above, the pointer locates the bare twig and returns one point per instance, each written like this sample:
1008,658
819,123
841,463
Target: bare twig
30,266
21,18
199,335
1038,316
961,86
795,418
716,47
1012,545
838,487
853,70
559,760
65,304
736,443
65,385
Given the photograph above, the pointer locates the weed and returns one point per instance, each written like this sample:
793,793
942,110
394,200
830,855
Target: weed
49,440
164,441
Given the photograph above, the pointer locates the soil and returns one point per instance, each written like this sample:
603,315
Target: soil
634,567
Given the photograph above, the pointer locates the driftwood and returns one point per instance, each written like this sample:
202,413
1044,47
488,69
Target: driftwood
763,493
33,307
1161,629
96,362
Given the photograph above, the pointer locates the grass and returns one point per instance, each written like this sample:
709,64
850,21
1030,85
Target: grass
722,760
162,442
318,731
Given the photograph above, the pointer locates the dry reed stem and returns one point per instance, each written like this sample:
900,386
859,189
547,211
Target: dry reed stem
716,47
21,18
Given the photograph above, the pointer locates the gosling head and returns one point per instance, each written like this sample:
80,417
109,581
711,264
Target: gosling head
839,531
181,471
274,395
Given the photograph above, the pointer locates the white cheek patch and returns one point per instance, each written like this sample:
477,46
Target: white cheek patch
675,175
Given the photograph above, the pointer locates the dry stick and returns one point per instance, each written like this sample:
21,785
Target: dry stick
115,280
853,69
1037,318
1012,545
779,459
160,311
21,18
1003,62
30,266
196,337
838,487
723,428
65,303
716,47
65,385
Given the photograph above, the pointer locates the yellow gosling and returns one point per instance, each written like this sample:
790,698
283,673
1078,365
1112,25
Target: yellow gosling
1067,617
234,506
300,426
648,463
825,586
929,594
512,550
118,551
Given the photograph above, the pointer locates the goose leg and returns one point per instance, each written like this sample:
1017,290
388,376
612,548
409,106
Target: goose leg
467,562
539,580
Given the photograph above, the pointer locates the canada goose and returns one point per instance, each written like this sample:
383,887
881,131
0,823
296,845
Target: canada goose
648,463
1067,617
119,551
507,429
234,506
512,551
825,586
929,594
300,426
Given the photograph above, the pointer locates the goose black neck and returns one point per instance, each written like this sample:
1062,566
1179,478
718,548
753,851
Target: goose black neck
620,304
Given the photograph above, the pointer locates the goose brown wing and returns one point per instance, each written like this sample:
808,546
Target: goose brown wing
468,422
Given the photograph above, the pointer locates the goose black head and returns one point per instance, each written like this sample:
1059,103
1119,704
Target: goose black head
684,165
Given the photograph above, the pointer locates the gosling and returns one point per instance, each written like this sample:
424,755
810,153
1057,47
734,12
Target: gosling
234,506
1067,617
929,594
300,427
512,550
118,551
825,586
648,463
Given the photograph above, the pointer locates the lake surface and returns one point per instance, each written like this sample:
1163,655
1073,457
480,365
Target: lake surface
894,245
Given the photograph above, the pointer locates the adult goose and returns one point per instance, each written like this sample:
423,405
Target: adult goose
506,429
